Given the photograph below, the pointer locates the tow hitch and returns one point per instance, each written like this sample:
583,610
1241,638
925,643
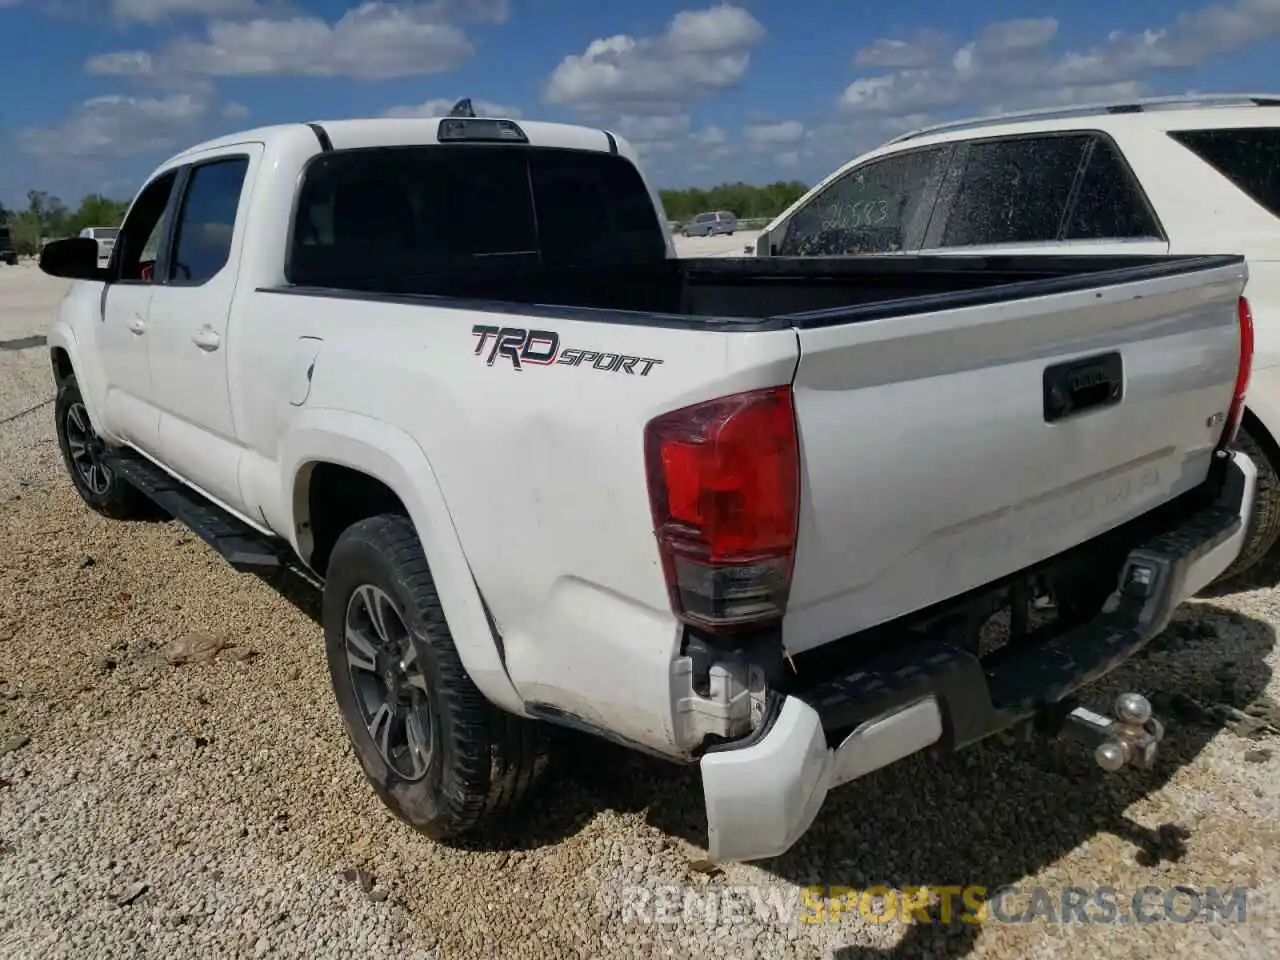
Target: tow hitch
1130,739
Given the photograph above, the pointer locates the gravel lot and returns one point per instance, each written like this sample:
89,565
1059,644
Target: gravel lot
212,808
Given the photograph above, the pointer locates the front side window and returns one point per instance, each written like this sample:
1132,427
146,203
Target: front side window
880,207
138,245
1248,157
207,221
1008,191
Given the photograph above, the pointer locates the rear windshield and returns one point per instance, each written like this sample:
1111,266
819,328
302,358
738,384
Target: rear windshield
1249,157
380,216
105,233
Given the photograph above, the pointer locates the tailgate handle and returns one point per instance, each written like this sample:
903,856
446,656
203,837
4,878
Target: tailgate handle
1093,383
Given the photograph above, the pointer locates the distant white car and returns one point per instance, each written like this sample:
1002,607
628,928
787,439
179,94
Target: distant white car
1169,175
106,237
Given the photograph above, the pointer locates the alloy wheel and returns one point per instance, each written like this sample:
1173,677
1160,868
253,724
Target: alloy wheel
389,684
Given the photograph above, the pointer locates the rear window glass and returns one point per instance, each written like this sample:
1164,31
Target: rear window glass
105,233
1248,157
389,214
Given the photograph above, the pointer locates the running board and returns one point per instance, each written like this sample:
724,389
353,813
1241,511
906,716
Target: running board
240,545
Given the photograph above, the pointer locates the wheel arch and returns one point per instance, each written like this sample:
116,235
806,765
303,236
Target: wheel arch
1260,432
330,451
67,359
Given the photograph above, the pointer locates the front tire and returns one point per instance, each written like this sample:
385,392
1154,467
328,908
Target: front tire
83,454
437,753
1264,525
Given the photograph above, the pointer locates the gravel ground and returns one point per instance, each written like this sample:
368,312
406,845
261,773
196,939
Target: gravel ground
212,808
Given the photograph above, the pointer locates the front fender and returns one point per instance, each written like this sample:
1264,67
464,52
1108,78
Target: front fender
88,372
393,457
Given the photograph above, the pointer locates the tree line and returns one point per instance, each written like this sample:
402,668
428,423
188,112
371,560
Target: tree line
743,200
47,217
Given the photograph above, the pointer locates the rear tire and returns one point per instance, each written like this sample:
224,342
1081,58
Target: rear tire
442,757
99,486
1264,525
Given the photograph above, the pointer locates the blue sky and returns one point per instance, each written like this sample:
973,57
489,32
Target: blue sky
96,92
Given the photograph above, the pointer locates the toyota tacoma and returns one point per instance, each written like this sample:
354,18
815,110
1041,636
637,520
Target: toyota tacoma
751,514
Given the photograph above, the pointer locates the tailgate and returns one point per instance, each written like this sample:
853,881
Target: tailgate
933,462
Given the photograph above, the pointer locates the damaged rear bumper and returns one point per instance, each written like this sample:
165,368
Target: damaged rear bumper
763,793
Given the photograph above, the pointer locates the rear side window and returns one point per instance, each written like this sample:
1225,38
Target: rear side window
879,207
208,220
1008,191
1248,157
1109,204
390,214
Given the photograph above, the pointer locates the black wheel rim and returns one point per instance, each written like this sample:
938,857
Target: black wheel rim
390,687
86,450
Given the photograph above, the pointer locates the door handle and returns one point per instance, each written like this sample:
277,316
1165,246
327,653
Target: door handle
137,326
206,338
1089,384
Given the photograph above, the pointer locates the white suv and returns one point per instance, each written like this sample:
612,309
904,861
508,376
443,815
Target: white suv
1170,175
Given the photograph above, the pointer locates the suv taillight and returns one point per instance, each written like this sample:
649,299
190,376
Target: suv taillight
724,487
1236,411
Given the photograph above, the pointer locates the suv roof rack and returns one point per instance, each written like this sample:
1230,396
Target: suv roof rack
1183,102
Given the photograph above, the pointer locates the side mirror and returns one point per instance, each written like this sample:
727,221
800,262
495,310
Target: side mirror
760,248
75,258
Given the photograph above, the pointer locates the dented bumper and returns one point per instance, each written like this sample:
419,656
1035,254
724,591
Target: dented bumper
763,793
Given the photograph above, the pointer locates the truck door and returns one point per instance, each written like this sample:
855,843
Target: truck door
124,339
189,313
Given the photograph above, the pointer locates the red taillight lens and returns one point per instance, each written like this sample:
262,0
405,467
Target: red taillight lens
724,487
1236,412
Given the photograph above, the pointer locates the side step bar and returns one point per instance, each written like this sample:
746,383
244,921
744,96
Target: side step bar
240,545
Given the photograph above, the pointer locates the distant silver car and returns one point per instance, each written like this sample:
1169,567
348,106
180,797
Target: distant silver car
711,224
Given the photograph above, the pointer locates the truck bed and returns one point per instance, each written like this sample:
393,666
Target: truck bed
933,458
752,294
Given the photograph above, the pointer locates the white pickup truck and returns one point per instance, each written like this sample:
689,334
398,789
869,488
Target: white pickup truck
759,521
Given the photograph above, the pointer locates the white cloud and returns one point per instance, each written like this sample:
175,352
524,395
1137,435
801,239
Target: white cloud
122,63
441,106
1013,61
700,52
234,111
921,49
769,135
154,11
711,136
118,126
375,40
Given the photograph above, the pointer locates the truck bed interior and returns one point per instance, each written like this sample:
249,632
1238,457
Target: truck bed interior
758,293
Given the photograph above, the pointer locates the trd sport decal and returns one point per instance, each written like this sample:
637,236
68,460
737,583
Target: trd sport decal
541,348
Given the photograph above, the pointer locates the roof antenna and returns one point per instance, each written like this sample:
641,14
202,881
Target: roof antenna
462,108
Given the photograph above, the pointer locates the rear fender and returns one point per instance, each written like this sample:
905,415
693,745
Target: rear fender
391,456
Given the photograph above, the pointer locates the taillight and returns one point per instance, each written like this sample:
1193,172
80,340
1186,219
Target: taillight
724,487
1236,411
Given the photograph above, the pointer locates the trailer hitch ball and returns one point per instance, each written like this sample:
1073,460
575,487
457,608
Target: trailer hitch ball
1131,738
1111,755
1133,709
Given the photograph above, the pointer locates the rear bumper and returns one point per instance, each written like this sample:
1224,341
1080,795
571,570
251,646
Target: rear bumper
764,793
